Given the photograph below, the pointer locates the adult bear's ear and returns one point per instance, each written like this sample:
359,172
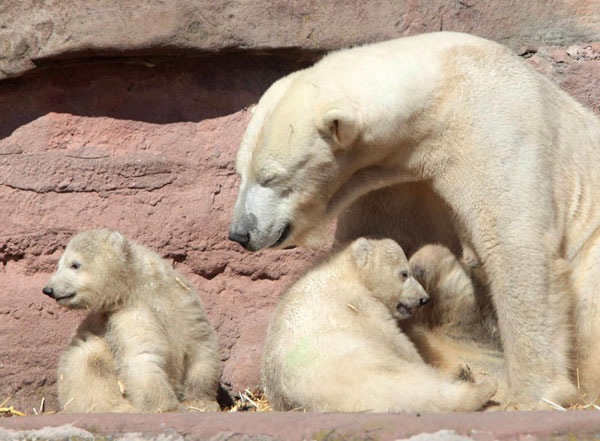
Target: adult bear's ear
338,121
361,251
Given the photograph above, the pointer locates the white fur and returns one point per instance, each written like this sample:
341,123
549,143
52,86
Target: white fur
146,345
334,344
502,161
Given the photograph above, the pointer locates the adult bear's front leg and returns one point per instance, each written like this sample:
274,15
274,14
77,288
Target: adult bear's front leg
533,317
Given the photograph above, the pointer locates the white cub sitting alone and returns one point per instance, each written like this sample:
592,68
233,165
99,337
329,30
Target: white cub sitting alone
334,344
146,345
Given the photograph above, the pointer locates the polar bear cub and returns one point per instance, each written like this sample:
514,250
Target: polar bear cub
459,304
459,327
146,344
333,343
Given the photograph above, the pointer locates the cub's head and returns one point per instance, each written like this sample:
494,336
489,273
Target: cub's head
383,268
295,162
91,272
439,271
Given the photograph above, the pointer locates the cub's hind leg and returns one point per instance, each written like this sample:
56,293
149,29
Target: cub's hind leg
87,379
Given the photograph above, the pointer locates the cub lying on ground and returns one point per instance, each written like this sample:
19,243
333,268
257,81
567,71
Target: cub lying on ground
146,345
334,344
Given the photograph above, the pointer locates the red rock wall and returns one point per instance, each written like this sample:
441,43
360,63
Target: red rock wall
145,150
112,130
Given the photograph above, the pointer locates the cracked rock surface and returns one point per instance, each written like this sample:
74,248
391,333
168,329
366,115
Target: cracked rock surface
34,32
145,150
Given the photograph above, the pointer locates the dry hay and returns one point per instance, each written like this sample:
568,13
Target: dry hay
250,401
9,411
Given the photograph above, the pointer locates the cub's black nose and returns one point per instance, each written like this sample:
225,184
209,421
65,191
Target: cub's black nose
423,300
48,291
241,238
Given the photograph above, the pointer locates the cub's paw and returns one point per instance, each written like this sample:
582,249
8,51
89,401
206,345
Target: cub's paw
487,388
464,373
484,391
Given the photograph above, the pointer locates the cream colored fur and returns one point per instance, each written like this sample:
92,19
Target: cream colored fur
459,305
146,345
334,344
499,159
458,327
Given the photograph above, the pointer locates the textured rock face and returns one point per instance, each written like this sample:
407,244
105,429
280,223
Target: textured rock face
146,144
145,150
34,32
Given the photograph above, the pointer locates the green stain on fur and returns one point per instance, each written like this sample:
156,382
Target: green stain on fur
300,355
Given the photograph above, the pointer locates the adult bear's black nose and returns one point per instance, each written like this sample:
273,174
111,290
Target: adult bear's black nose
423,300
48,291
241,238
239,231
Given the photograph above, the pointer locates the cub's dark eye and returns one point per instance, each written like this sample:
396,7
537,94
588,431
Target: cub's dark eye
404,274
75,265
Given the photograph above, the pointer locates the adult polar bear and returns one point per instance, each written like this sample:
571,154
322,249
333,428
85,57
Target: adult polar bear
445,138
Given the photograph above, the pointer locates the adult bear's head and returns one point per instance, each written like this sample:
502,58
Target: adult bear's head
320,138
291,164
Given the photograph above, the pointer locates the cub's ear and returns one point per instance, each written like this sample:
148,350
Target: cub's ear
120,243
361,251
338,122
